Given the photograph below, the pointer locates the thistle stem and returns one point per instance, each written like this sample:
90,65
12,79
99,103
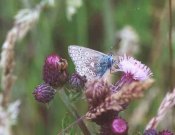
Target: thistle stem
73,112
124,80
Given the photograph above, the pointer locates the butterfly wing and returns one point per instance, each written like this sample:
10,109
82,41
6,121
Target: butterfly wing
87,61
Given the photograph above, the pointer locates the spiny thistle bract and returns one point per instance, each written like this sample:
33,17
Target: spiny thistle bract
55,71
77,81
44,93
96,91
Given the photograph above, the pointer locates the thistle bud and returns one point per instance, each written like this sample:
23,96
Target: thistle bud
120,126
44,93
77,81
96,92
165,132
54,71
150,132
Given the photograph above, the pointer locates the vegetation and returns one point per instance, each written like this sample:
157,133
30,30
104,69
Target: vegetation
97,25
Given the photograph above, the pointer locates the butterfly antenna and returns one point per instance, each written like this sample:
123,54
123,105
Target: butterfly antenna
71,125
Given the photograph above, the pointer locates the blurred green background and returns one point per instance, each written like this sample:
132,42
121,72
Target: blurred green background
96,25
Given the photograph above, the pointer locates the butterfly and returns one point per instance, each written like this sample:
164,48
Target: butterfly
90,63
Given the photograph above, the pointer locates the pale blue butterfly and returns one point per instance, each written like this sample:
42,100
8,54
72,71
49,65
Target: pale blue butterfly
93,64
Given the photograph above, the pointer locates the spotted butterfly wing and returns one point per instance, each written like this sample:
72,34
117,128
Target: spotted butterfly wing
87,61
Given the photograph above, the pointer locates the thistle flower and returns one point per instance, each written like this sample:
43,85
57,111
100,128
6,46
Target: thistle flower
96,91
44,93
117,126
133,70
54,71
165,132
150,131
120,126
116,102
77,81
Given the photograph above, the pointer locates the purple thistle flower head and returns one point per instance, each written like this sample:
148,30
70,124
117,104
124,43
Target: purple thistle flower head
120,126
53,60
54,71
77,81
134,68
44,93
150,132
165,132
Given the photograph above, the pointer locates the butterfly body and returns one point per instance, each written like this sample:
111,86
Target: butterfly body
89,62
104,64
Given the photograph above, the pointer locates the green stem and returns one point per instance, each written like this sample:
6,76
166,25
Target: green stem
109,27
73,112
170,46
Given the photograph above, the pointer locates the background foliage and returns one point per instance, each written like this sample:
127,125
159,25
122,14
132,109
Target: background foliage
94,25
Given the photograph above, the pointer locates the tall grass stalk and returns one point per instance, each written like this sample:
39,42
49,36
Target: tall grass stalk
167,103
24,21
170,46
